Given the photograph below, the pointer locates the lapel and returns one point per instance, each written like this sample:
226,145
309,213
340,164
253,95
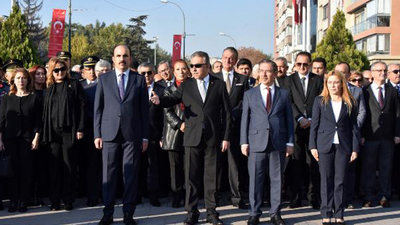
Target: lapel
298,86
236,79
371,95
387,94
343,111
310,84
259,100
197,92
131,81
210,86
114,84
329,110
277,95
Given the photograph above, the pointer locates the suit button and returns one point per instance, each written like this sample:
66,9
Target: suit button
119,115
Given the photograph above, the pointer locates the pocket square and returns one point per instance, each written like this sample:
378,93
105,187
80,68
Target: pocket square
239,84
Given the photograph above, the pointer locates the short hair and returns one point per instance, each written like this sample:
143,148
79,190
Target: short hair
304,53
244,61
320,60
203,55
345,63
102,63
135,64
393,64
376,63
233,50
268,61
216,63
163,62
146,65
181,61
281,58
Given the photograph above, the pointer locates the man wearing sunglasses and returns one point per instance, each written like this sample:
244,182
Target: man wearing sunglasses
303,87
207,117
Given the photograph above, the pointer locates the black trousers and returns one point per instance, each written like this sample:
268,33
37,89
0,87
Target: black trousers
149,170
176,165
94,168
40,165
19,185
196,159
63,168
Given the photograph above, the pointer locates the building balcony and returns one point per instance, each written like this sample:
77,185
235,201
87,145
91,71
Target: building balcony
378,20
355,5
286,5
287,23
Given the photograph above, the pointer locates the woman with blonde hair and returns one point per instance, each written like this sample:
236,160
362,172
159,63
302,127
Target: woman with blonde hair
334,143
63,115
356,78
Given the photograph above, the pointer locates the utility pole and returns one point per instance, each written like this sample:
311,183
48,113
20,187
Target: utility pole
70,28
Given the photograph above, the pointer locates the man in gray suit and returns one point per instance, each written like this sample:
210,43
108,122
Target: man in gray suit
266,137
121,130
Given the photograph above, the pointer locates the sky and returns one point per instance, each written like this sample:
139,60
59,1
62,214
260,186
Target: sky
249,22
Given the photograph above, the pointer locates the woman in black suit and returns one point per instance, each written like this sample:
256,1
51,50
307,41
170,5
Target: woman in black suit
174,125
63,123
20,123
334,141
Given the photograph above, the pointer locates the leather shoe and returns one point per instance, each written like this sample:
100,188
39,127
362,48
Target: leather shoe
315,205
13,207
384,203
55,207
154,202
191,220
253,220
214,219
22,207
1,206
128,219
240,205
106,220
295,204
277,220
367,204
350,206
68,206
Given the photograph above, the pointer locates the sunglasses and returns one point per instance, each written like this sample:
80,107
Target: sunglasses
356,80
62,69
302,64
146,73
197,65
395,71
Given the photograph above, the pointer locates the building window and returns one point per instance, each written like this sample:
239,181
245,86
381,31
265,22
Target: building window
375,44
325,11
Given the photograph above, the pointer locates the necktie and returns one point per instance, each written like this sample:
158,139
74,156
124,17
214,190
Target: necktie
121,86
303,83
269,100
398,89
380,97
202,90
228,83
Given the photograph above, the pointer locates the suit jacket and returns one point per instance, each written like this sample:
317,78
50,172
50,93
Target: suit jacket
359,97
281,81
259,127
209,119
381,123
302,105
324,125
131,115
156,115
90,92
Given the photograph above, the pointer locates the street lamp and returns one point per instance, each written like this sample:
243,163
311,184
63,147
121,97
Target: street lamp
223,34
155,50
69,30
184,26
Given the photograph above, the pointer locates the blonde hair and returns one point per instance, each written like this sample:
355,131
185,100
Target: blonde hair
346,96
52,65
27,75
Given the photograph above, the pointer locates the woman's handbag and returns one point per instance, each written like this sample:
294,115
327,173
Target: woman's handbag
5,165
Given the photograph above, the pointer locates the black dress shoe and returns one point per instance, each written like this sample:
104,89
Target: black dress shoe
1,206
55,207
68,206
91,203
367,204
350,206
277,220
106,220
295,204
22,207
128,219
176,205
240,205
315,205
191,220
154,202
253,220
13,207
214,219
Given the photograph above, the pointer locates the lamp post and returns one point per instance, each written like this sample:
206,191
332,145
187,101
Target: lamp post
184,24
155,50
223,34
70,29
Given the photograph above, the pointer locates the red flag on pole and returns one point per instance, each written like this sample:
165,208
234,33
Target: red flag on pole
176,48
57,32
298,11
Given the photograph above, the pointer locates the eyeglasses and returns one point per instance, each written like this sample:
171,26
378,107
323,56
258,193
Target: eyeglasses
197,65
395,71
356,80
57,70
302,64
146,73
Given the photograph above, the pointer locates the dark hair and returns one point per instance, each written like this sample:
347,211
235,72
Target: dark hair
33,70
345,63
233,50
124,45
244,61
27,75
320,60
268,61
180,61
307,54
281,58
135,64
203,55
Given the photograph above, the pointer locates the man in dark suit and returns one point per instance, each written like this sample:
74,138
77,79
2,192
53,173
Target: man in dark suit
303,87
207,117
165,71
379,134
149,160
266,137
283,67
121,130
236,84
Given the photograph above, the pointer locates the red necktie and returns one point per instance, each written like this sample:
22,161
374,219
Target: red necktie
269,100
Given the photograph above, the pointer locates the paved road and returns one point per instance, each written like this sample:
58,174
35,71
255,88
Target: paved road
146,214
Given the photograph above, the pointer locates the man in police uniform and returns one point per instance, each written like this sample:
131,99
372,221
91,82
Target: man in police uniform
66,56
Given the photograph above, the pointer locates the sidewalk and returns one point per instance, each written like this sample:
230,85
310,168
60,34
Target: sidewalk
146,214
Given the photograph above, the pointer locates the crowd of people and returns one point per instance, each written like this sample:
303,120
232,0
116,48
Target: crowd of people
133,130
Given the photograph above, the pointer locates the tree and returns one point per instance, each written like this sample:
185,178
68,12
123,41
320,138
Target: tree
135,39
15,42
254,55
107,38
31,10
338,46
80,48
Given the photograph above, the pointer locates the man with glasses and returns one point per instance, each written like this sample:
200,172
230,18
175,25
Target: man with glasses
101,67
165,71
149,166
379,134
303,87
207,117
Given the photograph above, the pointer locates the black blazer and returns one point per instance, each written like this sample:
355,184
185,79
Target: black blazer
156,115
381,123
302,105
209,119
324,125
20,116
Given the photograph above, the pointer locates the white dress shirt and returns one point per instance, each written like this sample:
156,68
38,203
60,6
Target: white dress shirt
91,82
264,92
375,90
126,77
336,106
306,81
206,83
150,89
225,75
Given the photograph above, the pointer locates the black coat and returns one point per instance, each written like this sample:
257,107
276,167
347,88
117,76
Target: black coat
173,119
156,116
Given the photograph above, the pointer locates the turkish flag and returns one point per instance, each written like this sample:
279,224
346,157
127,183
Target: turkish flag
57,32
298,11
176,48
